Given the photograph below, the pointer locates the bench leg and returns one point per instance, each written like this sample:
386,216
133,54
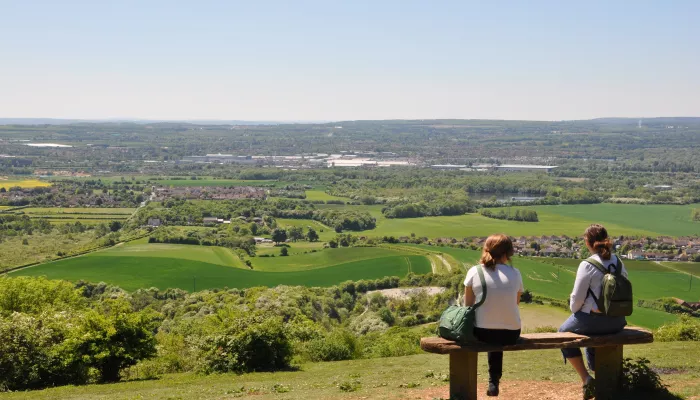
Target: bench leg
608,371
463,375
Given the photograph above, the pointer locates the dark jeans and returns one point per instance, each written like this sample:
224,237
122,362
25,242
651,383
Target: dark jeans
590,324
500,337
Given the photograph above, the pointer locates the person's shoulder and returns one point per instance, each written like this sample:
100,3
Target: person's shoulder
473,270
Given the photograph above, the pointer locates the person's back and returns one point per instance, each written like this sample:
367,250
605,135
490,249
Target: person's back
498,318
500,309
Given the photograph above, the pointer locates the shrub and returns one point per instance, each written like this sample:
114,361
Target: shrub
249,343
638,377
686,329
368,322
395,342
337,346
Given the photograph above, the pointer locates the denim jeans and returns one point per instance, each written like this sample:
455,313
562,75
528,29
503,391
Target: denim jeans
590,324
500,337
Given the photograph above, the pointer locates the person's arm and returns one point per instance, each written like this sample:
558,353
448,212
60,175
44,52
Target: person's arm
522,287
469,296
581,286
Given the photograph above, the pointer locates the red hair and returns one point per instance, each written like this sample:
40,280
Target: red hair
597,239
495,248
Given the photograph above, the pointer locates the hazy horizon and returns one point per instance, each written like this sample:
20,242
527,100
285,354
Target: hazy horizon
319,61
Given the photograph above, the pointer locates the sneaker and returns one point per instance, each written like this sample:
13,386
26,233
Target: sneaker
589,389
492,390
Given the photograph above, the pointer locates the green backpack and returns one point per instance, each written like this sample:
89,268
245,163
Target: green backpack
616,296
457,323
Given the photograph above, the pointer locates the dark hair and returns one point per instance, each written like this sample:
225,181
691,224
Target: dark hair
597,239
495,247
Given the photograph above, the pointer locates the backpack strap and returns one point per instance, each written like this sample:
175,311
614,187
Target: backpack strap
480,270
618,267
600,267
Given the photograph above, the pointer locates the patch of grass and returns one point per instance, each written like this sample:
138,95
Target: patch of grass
380,377
321,195
320,259
40,247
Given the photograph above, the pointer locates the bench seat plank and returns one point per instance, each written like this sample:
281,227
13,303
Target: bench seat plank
540,341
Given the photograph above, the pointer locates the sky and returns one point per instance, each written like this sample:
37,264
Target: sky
348,60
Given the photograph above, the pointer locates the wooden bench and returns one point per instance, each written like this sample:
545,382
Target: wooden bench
608,357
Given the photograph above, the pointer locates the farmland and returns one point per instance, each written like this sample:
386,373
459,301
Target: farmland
322,196
134,266
24,183
571,220
84,215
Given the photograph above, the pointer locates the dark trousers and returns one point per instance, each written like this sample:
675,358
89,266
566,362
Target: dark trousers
500,337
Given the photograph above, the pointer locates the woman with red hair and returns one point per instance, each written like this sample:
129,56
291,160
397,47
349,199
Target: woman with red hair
498,318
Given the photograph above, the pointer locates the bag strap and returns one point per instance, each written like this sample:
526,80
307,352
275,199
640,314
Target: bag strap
618,267
480,270
602,269
598,265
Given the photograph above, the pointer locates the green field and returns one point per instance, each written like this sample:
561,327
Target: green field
321,195
216,182
571,220
78,210
321,258
135,266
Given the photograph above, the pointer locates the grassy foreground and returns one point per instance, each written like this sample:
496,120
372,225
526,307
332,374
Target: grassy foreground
419,376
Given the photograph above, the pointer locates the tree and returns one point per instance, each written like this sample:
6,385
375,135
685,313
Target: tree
311,235
279,236
296,233
284,252
253,228
115,226
332,244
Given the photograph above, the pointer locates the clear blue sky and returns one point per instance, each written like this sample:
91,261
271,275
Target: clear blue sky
337,60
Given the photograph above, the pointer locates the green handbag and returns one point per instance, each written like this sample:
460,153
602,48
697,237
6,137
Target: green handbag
457,323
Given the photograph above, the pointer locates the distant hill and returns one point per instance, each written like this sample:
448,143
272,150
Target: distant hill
59,121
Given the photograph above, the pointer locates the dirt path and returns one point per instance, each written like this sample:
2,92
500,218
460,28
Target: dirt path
520,390
445,262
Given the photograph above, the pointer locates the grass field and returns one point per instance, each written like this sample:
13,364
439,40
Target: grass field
25,183
140,265
527,375
78,210
321,195
87,215
321,258
571,220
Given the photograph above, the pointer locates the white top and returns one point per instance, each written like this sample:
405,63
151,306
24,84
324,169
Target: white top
500,310
588,276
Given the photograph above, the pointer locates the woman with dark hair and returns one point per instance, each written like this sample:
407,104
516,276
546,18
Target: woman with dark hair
586,318
498,318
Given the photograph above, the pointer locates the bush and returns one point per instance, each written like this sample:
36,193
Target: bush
686,329
337,346
248,344
395,342
638,377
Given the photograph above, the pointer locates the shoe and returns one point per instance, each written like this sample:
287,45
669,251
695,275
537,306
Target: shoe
589,389
492,391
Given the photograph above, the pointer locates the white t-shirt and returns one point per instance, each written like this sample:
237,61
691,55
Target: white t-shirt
500,310
588,276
